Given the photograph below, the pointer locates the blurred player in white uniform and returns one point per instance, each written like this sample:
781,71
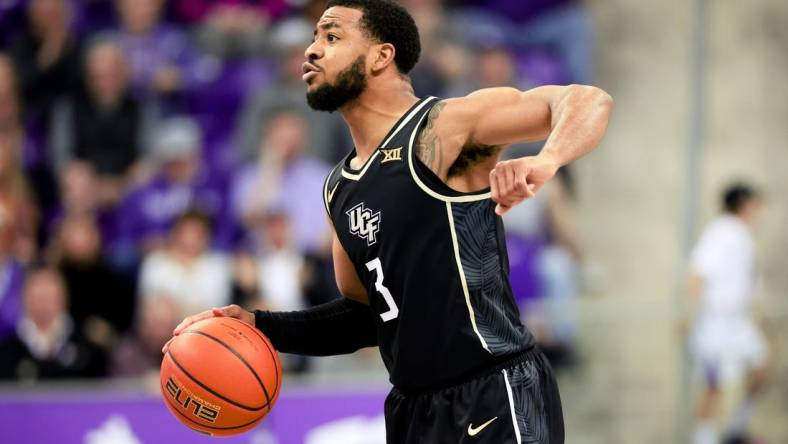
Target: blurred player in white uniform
724,337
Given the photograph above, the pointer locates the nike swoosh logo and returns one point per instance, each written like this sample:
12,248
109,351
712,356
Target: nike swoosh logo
474,432
331,193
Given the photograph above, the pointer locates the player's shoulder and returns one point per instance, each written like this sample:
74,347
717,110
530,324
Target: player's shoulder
471,106
445,114
481,98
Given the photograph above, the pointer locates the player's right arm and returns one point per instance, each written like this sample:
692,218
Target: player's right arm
334,328
347,279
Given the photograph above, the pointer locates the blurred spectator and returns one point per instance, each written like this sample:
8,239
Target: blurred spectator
102,304
22,144
78,183
161,59
148,212
246,282
11,275
78,197
10,103
139,353
186,270
18,215
435,31
454,65
231,28
281,265
46,344
47,54
283,166
431,19
562,27
725,339
102,126
21,214
329,138
496,67
11,121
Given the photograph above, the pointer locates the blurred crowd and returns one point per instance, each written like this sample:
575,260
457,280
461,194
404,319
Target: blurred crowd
158,158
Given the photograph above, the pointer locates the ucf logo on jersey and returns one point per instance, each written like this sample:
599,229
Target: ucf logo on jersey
364,223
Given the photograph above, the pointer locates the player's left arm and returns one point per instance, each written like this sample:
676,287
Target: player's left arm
572,118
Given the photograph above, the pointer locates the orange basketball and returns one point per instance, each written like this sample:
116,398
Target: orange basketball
220,376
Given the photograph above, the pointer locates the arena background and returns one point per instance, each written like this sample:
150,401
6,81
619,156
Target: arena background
700,102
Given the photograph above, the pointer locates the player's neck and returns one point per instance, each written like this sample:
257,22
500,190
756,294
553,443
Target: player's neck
372,115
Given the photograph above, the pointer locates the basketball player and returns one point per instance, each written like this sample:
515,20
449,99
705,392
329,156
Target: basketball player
723,282
419,248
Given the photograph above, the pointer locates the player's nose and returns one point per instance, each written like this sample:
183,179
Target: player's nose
313,51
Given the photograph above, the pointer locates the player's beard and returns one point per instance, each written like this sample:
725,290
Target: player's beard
349,85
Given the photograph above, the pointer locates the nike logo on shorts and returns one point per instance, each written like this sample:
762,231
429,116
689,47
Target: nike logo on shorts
474,432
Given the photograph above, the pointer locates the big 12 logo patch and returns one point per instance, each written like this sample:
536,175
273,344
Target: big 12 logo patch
201,409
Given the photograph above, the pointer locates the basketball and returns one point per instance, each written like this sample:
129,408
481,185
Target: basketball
220,376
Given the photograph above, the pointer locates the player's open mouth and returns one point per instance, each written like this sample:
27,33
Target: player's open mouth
310,71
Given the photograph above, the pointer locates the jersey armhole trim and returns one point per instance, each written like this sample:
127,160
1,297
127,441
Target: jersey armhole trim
465,197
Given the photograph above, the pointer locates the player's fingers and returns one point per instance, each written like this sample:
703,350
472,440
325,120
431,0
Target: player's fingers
235,311
525,187
500,174
219,312
501,209
494,190
520,189
179,328
191,320
504,191
509,177
498,188
230,311
166,346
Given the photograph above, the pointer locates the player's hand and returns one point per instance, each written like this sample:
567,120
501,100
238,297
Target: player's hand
513,181
230,311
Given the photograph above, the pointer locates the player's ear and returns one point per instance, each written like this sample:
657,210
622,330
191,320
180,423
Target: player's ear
383,57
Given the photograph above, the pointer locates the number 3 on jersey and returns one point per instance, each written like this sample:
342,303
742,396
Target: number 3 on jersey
393,312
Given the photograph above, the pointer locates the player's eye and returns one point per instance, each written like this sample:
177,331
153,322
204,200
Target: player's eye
332,38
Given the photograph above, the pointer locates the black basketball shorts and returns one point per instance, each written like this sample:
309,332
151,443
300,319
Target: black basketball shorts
514,403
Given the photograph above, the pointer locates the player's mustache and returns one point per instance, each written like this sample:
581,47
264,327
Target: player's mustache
309,66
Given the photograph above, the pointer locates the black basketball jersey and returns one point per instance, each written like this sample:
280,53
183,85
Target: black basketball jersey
433,261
